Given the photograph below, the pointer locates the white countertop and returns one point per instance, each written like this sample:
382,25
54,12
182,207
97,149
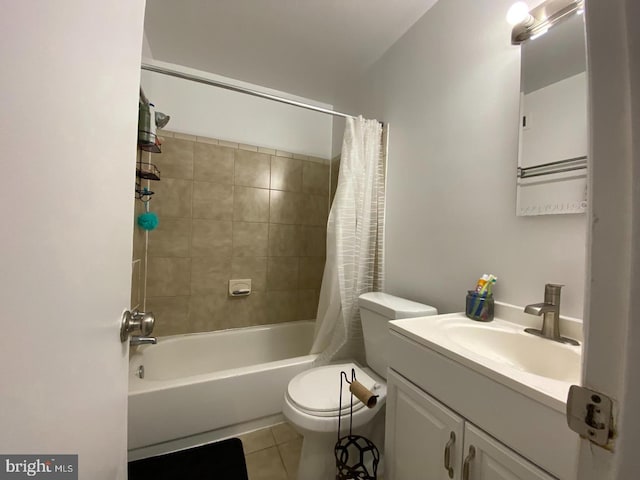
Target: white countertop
438,333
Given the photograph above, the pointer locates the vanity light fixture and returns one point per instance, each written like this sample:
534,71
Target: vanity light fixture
539,33
538,21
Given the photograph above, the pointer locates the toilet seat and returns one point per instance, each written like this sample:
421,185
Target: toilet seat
316,391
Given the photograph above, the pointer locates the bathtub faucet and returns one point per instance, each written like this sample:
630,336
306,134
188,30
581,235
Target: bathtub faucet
135,340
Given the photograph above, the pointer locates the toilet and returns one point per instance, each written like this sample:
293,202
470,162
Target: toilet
311,402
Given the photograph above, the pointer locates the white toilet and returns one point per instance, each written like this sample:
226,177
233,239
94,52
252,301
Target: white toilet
311,400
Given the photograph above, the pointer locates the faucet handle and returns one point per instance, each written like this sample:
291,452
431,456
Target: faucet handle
552,293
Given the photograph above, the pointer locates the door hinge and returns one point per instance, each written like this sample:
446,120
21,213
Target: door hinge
590,415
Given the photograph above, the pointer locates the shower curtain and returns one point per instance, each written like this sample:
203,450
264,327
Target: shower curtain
355,232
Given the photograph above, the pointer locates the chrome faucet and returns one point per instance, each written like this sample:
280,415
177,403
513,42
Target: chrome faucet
135,340
550,312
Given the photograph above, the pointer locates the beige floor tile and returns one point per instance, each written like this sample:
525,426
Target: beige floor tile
265,465
258,440
283,432
290,453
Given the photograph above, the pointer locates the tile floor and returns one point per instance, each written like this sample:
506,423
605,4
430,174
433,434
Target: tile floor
272,453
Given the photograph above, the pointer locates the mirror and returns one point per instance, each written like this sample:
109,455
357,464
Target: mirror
552,157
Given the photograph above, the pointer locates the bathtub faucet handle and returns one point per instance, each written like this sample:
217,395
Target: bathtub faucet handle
135,341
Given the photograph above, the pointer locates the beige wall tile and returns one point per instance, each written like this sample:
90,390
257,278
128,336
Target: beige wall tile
285,207
171,238
315,178
210,141
335,171
286,174
254,268
282,153
139,235
168,277
284,240
282,273
265,465
172,198
314,210
247,311
213,163
164,133
311,158
310,272
313,241
282,306
250,239
176,159
207,312
308,304
250,148
211,238
210,275
171,314
136,285
184,136
215,205
258,440
226,143
213,201
250,204
252,169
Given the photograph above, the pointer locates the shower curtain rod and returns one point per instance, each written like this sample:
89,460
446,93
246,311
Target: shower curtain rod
235,88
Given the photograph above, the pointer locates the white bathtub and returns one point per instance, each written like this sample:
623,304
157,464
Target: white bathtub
209,382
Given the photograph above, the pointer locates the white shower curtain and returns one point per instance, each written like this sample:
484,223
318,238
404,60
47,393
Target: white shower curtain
355,232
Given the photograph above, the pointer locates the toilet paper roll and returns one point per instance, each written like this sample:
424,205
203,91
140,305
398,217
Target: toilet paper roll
363,394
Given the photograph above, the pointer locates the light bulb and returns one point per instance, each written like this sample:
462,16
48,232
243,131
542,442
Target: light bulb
518,13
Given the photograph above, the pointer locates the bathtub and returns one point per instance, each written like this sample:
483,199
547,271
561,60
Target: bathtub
201,385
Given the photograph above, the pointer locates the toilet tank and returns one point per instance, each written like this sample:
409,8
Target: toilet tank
376,310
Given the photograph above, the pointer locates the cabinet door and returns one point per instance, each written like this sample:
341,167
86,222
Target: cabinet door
421,435
487,459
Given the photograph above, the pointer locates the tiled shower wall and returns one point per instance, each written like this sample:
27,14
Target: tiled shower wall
234,211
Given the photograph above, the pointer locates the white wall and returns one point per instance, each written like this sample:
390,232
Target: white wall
449,89
68,125
208,111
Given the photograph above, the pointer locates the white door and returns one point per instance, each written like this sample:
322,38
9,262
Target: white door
487,459
68,122
612,335
422,435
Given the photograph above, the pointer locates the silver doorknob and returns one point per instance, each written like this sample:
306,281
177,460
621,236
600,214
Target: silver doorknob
139,323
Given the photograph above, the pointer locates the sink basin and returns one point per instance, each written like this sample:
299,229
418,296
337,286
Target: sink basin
502,350
517,349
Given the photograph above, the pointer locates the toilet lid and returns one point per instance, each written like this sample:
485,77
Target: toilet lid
317,390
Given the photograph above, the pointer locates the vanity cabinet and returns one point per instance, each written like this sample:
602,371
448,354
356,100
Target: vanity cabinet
426,439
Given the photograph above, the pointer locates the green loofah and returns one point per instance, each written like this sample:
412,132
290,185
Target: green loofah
148,221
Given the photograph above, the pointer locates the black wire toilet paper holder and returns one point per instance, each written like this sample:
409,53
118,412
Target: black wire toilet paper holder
351,446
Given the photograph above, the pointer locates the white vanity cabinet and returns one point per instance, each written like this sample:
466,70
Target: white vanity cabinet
418,431
427,440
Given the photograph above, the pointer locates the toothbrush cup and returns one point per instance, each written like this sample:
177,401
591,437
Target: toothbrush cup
479,306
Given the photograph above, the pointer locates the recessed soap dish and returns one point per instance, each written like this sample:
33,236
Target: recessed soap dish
240,287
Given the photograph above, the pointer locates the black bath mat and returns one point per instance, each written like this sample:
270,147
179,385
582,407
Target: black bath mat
215,461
